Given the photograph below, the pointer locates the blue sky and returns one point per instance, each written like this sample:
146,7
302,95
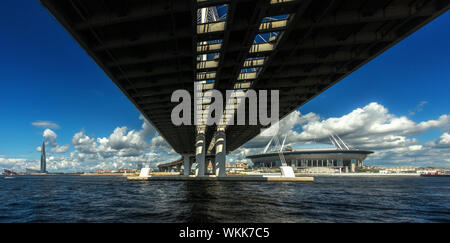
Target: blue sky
46,76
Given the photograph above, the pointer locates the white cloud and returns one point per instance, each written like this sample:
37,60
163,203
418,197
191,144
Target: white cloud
120,139
123,148
49,135
147,129
50,140
443,141
45,124
84,143
371,127
10,161
15,164
159,144
60,149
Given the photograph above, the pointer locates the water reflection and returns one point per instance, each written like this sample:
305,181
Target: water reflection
106,199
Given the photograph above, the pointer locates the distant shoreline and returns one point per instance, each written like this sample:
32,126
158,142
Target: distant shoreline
359,175
296,174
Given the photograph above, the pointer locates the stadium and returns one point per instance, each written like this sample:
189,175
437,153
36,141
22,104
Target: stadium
338,156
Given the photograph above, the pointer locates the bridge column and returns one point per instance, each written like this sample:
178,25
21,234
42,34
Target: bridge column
214,166
200,154
187,164
221,151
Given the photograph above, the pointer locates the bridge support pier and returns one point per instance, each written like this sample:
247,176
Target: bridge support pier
220,163
200,154
187,164
213,164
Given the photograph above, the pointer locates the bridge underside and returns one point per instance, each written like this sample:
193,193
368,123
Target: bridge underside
151,48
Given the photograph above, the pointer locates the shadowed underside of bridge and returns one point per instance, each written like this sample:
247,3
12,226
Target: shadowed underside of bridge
151,48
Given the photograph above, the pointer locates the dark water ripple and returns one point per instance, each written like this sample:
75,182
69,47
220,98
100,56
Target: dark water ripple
112,199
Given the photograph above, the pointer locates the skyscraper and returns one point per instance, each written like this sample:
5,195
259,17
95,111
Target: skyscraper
43,159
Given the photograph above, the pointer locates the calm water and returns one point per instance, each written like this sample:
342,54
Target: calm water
110,199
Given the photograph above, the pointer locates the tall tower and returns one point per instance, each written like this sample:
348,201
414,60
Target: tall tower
43,159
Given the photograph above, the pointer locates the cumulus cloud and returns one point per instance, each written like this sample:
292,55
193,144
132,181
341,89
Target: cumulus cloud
123,148
147,129
121,139
159,144
443,142
84,143
60,149
371,127
45,124
50,139
11,161
49,136
15,164
121,142
445,139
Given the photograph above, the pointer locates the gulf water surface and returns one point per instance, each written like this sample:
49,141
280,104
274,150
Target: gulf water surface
113,199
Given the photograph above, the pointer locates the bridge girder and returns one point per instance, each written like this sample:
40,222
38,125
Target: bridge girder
150,48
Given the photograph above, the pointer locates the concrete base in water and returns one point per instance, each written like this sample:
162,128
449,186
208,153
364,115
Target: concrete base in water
225,178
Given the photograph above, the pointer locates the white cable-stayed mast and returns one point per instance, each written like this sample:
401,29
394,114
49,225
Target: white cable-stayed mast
283,160
331,140
267,146
277,144
336,141
342,142
282,145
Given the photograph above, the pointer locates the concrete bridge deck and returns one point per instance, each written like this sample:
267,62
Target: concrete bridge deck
151,48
